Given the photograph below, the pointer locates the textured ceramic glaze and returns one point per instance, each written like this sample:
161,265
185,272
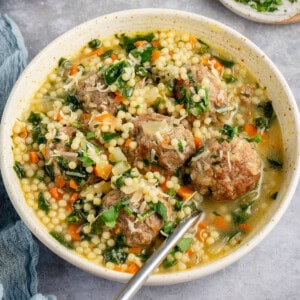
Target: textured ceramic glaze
138,20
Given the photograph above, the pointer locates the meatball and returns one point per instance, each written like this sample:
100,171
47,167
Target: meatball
61,148
136,233
162,144
226,171
93,96
203,77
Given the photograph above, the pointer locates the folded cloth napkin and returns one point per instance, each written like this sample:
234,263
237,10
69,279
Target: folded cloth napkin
18,251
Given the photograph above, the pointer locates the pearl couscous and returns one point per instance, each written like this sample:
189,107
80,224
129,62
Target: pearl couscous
135,132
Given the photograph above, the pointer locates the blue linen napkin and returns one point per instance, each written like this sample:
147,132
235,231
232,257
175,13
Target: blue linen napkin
18,251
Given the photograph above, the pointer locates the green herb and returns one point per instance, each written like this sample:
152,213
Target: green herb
108,136
146,214
168,263
267,109
34,118
274,196
168,228
127,210
129,43
115,255
178,205
61,240
38,135
94,43
261,123
141,71
19,170
171,192
198,151
239,217
171,84
255,139
73,102
154,163
49,170
90,135
112,73
161,209
229,78
144,55
184,244
73,218
110,216
264,5
180,147
229,131
274,164
106,54
224,62
43,203
62,61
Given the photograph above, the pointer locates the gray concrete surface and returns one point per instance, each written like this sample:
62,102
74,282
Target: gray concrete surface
271,270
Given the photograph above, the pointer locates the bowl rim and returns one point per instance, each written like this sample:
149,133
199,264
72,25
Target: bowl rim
157,279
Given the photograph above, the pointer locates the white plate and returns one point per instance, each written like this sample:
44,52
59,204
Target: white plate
286,13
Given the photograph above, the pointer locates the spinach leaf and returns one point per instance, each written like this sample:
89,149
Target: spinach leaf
96,43
168,228
129,43
106,54
224,62
34,118
73,102
61,240
108,136
239,217
141,71
115,255
229,78
112,73
19,170
184,244
49,170
110,216
43,203
229,131
274,164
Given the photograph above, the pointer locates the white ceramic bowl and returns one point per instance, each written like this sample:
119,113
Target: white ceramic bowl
149,19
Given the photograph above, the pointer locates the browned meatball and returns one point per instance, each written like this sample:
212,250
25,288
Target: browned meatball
54,149
227,170
154,135
136,233
89,92
217,95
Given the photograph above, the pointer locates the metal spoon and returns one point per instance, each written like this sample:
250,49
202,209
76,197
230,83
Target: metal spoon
134,284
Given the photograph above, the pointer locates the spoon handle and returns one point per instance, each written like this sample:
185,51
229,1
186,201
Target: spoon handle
134,284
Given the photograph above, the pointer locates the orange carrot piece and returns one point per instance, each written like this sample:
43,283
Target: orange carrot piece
54,192
43,151
163,186
217,65
105,116
58,117
74,197
23,134
135,250
86,117
166,142
198,142
132,268
189,252
113,56
140,43
69,208
98,52
155,55
103,170
127,143
118,269
202,225
73,184
74,232
119,98
60,181
185,192
250,130
192,40
34,157
117,230
220,223
73,69
245,227
155,43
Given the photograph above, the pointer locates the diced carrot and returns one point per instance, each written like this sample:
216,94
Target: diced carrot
113,56
204,61
43,151
135,250
202,225
250,130
220,222
185,192
103,117
74,197
74,232
201,235
58,117
166,142
69,208
34,157
54,192
155,55
180,106
198,142
73,69
23,133
190,252
140,43
245,227
98,51
163,186
86,116
155,43
119,98
127,143
217,65
192,40
103,170
171,53
73,184
117,230
132,268
118,269
60,181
